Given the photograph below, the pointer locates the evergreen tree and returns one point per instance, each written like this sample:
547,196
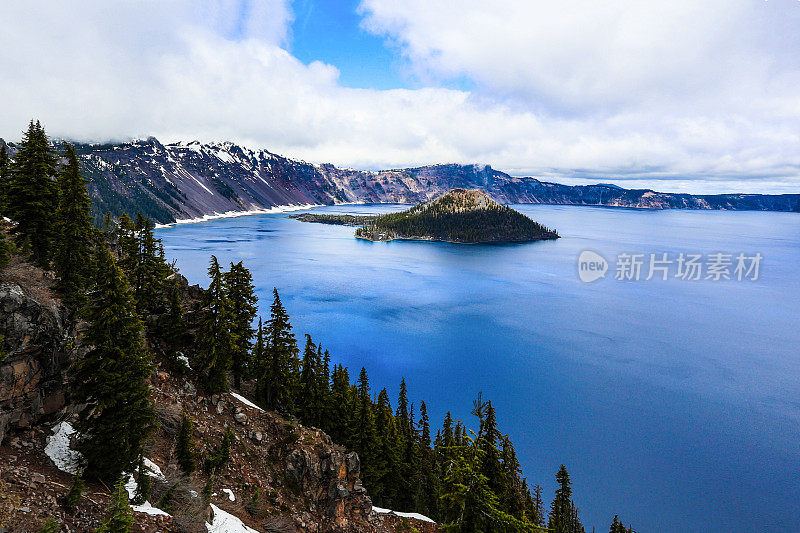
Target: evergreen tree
259,360
111,379
214,338
150,268
278,381
389,481
242,298
75,493
128,246
309,384
341,421
74,231
4,179
174,330
32,194
142,483
184,447
50,526
119,518
366,436
563,514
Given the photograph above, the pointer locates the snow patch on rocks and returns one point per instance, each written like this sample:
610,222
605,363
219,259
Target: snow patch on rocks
58,450
229,492
415,516
222,522
146,507
245,401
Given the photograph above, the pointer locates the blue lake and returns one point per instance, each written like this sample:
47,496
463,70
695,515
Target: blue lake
675,404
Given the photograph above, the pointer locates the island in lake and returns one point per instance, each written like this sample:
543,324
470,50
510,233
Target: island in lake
459,216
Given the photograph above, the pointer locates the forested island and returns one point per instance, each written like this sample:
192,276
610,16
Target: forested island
458,216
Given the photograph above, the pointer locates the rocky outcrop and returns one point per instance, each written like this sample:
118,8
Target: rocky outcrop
32,371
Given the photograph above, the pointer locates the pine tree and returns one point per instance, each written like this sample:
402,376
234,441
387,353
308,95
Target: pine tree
387,485
50,526
75,493
214,339
309,384
563,514
128,246
143,483
343,408
366,436
32,194
119,518
280,376
259,360
4,179
242,298
150,269
174,329
111,379
184,447
74,231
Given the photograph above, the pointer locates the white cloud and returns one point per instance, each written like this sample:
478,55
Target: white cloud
673,91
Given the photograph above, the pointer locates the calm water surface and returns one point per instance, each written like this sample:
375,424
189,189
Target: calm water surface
675,404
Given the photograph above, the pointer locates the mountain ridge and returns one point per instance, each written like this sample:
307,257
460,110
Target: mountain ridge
188,180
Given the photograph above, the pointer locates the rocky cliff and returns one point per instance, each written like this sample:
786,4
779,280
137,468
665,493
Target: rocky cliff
280,477
190,180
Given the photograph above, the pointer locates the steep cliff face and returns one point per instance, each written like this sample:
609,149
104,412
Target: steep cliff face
35,348
190,180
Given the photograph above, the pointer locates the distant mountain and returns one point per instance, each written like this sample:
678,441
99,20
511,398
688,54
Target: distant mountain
189,180
460,216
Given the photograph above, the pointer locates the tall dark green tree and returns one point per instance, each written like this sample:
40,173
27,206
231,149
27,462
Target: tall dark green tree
309,384
111,379
32,194
4,181
119,518
563,514
281,375
74,230
214,338
184,446
174,326
150,270
242,311
366,435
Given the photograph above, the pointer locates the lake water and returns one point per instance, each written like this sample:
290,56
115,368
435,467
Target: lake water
675,404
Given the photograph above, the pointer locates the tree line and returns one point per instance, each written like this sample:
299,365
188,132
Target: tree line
115,278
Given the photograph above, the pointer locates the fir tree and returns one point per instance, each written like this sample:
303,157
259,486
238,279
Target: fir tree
280,374
214,338
32,194
242,298
4,179
366,436
174,330
184,447
75,493
74,230
150,269
386,487
563,514
309,384
128,246
143,483
111,379
119,518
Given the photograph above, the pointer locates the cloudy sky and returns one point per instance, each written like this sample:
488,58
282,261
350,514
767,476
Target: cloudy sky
702,96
